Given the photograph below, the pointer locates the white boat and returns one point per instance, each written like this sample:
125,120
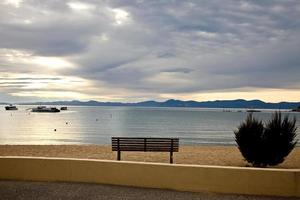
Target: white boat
11,107
44,109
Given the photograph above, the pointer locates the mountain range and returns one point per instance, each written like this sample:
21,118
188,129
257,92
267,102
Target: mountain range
238,103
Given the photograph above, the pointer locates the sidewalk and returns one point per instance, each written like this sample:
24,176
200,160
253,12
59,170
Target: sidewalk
12,190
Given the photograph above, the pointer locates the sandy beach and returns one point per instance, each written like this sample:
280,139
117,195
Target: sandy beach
202,155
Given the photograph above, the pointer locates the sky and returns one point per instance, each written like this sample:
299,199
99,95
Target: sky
137,50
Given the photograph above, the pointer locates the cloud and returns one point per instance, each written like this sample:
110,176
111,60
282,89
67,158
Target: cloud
134,50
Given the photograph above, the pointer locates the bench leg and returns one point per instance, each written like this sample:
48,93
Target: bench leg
171,157
119,155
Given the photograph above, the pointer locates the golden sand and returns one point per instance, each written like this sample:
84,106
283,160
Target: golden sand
202,155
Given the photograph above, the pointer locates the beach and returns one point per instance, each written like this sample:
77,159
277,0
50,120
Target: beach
200,155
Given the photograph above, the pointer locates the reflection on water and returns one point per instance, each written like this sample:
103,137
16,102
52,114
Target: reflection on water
96,125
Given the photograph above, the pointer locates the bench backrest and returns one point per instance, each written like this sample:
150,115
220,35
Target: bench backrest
145,144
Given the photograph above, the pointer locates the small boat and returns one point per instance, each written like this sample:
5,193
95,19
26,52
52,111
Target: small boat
44,109
64,108
11,107
251,111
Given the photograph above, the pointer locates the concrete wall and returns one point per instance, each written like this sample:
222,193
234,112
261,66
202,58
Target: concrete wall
193,178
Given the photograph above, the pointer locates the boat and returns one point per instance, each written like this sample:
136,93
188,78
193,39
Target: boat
45,109
11,107
252,110
64,108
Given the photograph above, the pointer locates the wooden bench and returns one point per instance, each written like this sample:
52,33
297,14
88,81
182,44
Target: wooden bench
145,144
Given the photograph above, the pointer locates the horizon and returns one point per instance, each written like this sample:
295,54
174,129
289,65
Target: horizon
92,100
133,51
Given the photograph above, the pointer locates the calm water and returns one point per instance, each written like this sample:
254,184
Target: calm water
96,125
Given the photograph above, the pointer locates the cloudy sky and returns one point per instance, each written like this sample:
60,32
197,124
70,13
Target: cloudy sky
129,51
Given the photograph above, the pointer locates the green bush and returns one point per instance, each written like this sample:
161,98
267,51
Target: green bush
269,144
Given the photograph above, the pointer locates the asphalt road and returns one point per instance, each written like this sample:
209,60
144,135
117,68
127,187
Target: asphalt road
17,190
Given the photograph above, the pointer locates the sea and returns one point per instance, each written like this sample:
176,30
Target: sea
96,125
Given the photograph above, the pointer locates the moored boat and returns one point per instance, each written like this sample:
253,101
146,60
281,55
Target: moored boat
252,110
11,107
64,108
44,109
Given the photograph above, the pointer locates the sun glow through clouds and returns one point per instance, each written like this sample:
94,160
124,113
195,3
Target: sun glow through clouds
79,6
44,86
120,16
24,57
15,3
51,62
27,21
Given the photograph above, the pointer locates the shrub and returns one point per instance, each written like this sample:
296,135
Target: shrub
269,144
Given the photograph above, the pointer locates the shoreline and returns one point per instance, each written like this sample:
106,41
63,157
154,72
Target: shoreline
195,154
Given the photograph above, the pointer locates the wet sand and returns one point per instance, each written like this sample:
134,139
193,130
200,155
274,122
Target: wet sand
202,155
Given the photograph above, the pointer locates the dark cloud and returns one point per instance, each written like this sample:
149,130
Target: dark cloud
30,79
178,70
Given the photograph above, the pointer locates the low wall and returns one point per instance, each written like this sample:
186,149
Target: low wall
194,178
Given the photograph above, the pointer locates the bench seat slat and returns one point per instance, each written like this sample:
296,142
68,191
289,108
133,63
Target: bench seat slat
147,150
148,144
135,144
141,138
146,139
169,147
142,145
153,147
150,140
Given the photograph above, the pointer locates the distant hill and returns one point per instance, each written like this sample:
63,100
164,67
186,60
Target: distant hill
239,103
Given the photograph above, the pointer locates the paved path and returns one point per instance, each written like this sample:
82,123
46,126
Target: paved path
12,190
